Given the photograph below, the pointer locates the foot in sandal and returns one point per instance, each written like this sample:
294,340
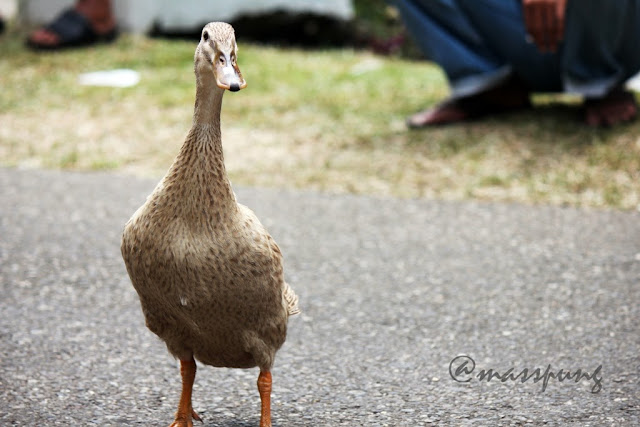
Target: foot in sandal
88,22
510,96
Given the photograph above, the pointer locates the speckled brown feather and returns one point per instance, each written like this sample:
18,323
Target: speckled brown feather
209,276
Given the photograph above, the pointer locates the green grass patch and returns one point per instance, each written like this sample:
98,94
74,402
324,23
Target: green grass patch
331,120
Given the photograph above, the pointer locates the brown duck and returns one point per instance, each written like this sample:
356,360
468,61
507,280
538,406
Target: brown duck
208,274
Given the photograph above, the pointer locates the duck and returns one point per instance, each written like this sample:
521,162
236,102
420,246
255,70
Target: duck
209,276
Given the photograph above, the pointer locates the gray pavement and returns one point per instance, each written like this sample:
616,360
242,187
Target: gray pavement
391,291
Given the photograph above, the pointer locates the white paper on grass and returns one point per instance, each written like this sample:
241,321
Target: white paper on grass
111,78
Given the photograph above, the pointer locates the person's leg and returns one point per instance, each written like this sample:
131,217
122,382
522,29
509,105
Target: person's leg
482,82
98,14
601,51
445,35
602,45
500,24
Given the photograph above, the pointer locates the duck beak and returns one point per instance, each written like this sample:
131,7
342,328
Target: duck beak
228,75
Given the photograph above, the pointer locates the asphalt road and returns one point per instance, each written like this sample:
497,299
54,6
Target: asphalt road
391,292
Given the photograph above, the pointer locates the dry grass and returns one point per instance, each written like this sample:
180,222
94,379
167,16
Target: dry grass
327,120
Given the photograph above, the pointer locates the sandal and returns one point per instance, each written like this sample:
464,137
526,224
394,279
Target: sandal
73,30
511,96
460,110
618,106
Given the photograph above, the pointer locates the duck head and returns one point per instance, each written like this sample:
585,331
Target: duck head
216,55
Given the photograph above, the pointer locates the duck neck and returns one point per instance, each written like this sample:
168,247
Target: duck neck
199,167
208,102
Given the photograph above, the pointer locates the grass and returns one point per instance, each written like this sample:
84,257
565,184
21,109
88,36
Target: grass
331,120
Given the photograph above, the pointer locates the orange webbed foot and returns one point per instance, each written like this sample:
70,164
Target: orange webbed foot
185,414
183,421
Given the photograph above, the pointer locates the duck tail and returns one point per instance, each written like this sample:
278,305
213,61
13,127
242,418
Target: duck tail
291,300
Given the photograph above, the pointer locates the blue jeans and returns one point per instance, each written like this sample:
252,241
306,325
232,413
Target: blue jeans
481,43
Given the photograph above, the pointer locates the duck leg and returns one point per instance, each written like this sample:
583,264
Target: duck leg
185,411
264,388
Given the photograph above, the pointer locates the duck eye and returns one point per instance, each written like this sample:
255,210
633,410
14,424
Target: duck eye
205,36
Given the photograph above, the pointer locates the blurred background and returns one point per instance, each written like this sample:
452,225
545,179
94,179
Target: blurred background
362,23
330,84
